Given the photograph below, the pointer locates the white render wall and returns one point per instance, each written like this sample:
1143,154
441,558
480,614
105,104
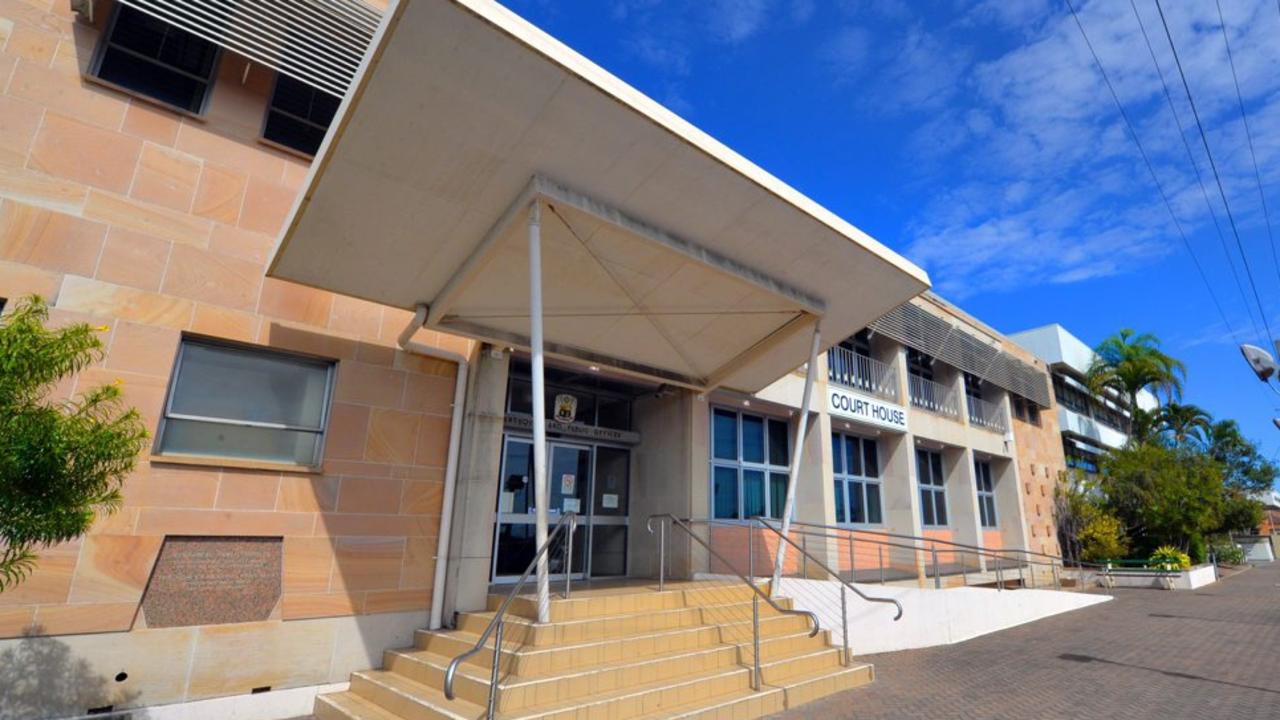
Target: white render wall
929,617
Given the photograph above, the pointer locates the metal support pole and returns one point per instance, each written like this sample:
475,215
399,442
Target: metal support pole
751,550
964,569
1021,583
880,561
1057,576
804,556
755,640
492,712
568,554
937,577
844,619
797,451
662,554
540,495
1031,572
999,577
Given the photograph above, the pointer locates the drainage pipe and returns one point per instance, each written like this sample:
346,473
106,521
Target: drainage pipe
451,464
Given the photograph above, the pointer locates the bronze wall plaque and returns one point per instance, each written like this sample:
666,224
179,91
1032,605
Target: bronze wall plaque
213,580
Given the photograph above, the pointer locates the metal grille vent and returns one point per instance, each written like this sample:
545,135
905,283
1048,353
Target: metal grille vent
319,42
917,328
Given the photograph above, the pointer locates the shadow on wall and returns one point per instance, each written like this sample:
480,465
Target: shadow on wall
40,678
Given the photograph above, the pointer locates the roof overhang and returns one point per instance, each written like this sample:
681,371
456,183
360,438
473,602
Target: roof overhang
664,253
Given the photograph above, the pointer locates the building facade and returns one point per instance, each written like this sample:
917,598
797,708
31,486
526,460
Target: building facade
1091,424
286,523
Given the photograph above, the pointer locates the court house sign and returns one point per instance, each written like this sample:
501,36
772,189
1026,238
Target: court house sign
863,408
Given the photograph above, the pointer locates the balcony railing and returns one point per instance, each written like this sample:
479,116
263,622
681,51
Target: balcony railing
859,372
932,396
987,415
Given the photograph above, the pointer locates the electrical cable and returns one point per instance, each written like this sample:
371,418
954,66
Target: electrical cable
1248,134
1216,175
1195,166
1151,169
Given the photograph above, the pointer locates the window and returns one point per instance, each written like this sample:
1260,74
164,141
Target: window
857,484
973,386
933,493
153,58
229,401
298,115
919,364
749,458
1026,410
986,493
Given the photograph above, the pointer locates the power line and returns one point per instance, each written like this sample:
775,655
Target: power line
1248,134
1133,133
1216,176
1195,166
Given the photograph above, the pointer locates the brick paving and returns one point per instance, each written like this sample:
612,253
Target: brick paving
1205,654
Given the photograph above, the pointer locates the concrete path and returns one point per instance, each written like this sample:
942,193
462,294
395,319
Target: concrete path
1204,654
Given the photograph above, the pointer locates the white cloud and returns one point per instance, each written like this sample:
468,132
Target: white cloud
1042,183
734,21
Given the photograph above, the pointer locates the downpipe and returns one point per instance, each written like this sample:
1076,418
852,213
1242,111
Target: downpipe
451,464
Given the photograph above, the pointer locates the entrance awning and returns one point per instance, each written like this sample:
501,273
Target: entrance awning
665,254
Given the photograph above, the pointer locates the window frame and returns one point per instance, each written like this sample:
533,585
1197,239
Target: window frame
167,412
740,466
988,512
266,117
845,480
932,488
104,43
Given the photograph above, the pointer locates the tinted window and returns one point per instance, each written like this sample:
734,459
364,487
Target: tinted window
153,58
299,115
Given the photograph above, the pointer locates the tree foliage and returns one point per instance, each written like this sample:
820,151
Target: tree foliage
61,462
1185,424
1129,362
1163,495
1246,469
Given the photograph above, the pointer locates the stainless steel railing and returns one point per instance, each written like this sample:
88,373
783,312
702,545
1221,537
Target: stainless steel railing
923,557
494,628
859,372
932,396
667,521
989,415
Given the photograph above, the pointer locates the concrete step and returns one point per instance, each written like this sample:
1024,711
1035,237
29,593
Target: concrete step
531,660
592,604
525,631
516,693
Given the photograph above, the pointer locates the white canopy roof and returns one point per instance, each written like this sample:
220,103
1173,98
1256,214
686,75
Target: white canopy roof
665,254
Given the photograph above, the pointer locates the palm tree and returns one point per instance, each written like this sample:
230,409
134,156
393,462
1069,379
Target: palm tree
1128,363
1186,422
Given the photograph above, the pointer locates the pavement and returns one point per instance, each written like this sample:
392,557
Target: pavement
1205,654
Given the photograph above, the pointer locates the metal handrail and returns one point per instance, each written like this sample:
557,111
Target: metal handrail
986,414
889,601
860,372
569,519
684,525
932,396
951,543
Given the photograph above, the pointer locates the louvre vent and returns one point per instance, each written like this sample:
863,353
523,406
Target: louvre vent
917,328
319,42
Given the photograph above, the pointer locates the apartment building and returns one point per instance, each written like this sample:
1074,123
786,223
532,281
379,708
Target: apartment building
350,413
1090,423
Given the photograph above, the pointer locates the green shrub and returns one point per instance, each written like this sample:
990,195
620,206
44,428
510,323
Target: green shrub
1102,538
1198,549
1228,553
1170,556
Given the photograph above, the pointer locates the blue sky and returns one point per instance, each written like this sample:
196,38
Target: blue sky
976,137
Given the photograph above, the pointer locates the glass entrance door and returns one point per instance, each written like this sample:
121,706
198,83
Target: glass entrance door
591,481
568,480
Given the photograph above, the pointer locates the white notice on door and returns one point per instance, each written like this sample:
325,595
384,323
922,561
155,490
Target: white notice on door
609,502
572,505
506,502
568,483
